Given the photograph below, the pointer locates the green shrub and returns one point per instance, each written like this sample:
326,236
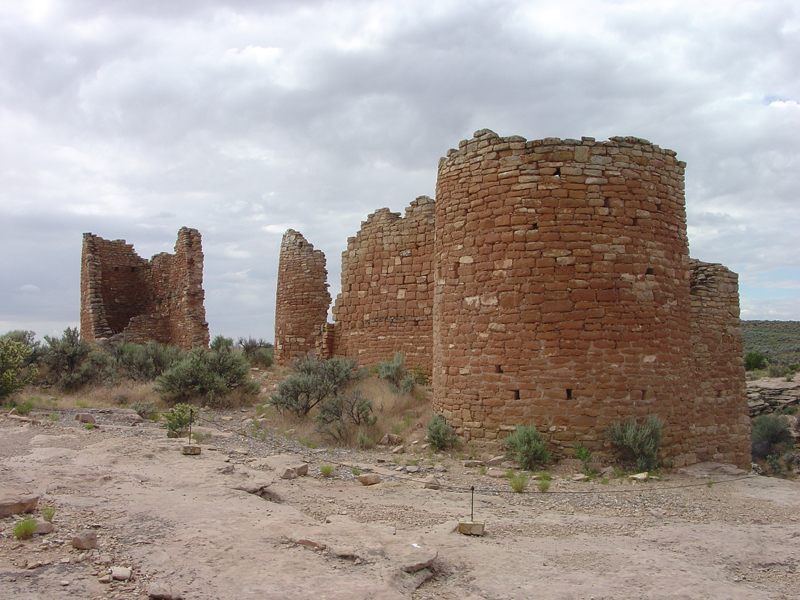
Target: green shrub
543,485
27,339
395,372
778,370
527,447
519,483
207,376
48,512
312,381
178,419
755,360
221,344
583,454
24,528
12,367
338,417
365,441
768,433
65,358
440,435
639,443
145,362
258,352
24,407
326,470
145,409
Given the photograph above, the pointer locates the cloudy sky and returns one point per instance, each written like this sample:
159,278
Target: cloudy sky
132,118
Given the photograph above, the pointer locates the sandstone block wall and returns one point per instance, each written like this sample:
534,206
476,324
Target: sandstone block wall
386,302
550,284
561,295
127,297
721,419
301,309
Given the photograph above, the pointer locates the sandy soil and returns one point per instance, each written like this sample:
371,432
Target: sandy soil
222,525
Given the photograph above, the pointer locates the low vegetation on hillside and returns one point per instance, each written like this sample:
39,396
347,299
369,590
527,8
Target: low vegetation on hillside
771,347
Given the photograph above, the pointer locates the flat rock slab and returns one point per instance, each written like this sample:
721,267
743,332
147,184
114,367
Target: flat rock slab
14,502
287,466
86,540
161,590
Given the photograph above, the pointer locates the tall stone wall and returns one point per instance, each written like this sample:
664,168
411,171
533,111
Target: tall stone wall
550,283
721,419
386,302
127,297
301,309
562,289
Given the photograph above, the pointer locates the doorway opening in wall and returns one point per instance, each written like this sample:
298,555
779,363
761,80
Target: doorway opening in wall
569,393
516,394
558,172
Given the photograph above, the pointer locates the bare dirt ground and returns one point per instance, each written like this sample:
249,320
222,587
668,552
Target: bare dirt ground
223,525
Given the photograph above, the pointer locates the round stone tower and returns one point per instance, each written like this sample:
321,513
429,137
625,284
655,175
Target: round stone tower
561,294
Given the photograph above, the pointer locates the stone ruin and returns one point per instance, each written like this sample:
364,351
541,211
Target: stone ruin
549,283
129,298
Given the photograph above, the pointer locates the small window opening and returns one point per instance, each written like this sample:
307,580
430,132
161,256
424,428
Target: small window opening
534,226
516,394
558,172
498,369
644,394
635,221
133,269
569,393
116,268
649,271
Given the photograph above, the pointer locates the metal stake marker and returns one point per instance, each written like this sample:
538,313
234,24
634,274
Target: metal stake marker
472,504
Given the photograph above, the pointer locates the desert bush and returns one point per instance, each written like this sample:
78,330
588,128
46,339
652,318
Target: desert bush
395,372
778,370
543,485
145,362
28,339
209,377
257,351
12,367
178,419
72,362
326,470
145,409
583,454
339,417
440,435
48,512
527,447
220,343
519,482
312,381
24,528
639,443
755,360
769,432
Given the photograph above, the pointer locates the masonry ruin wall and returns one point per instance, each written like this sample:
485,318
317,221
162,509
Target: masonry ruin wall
126,297
721,419
550,283
301,308
386,302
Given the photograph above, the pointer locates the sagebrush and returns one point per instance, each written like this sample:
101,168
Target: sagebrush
638,443
313,380
769,433
440,435
527,446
